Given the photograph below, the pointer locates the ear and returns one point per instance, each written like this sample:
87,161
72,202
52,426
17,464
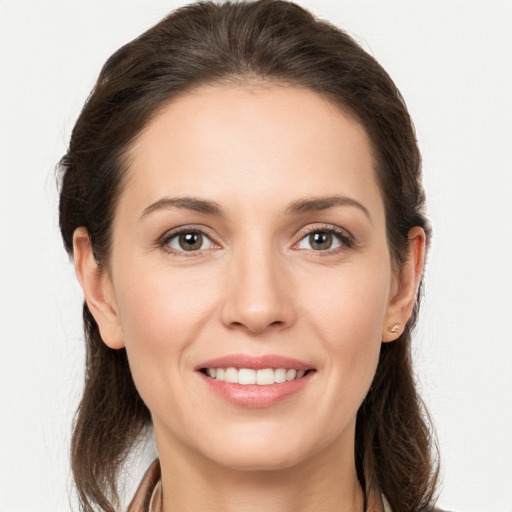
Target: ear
98,291
405,287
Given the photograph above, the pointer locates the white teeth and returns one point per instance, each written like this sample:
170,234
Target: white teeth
263,377
291,374
231,375
280,375
246,376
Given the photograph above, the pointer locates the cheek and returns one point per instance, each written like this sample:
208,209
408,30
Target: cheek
347,316
349,304
162,313
159,304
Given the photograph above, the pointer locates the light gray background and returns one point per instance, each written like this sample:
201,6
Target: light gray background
452,62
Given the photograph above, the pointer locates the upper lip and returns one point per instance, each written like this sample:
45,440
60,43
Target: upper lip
255,362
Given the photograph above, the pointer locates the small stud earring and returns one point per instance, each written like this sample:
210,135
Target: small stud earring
395,328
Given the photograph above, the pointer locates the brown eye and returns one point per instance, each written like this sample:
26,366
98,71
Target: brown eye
189,241
322,240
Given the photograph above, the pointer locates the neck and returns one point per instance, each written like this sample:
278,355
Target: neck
326,481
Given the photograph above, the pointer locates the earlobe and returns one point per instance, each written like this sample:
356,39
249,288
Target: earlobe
97,289
404,295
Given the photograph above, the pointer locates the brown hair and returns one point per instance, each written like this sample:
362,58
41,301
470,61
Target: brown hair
205,43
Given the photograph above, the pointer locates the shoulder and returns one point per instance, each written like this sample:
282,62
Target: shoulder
142,500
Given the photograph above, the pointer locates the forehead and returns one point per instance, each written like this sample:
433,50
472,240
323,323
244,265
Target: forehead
240,142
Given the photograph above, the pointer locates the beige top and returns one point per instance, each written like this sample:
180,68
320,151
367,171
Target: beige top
148,497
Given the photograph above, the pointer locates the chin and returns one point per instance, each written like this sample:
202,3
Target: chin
257,450
259,460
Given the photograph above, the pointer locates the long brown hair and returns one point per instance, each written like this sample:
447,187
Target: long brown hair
265,40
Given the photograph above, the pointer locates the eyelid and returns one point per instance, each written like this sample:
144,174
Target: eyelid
346,238
164,240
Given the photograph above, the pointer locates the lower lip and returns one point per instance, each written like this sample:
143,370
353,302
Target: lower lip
254,396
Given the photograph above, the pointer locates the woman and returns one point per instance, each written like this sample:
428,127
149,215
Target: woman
242,200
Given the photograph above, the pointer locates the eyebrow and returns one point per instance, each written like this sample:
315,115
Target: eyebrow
212,208
186,203
324,203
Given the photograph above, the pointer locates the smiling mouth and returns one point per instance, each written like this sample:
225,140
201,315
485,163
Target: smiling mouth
261,377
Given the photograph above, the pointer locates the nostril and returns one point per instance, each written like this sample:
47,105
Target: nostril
256,326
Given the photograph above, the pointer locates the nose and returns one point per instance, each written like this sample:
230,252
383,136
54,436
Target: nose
258,292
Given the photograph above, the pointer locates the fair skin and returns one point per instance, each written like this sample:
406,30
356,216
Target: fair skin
252,229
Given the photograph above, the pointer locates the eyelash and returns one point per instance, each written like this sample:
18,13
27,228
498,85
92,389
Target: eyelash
344,238
165,240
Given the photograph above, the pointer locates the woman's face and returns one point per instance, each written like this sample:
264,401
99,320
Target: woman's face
249,243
